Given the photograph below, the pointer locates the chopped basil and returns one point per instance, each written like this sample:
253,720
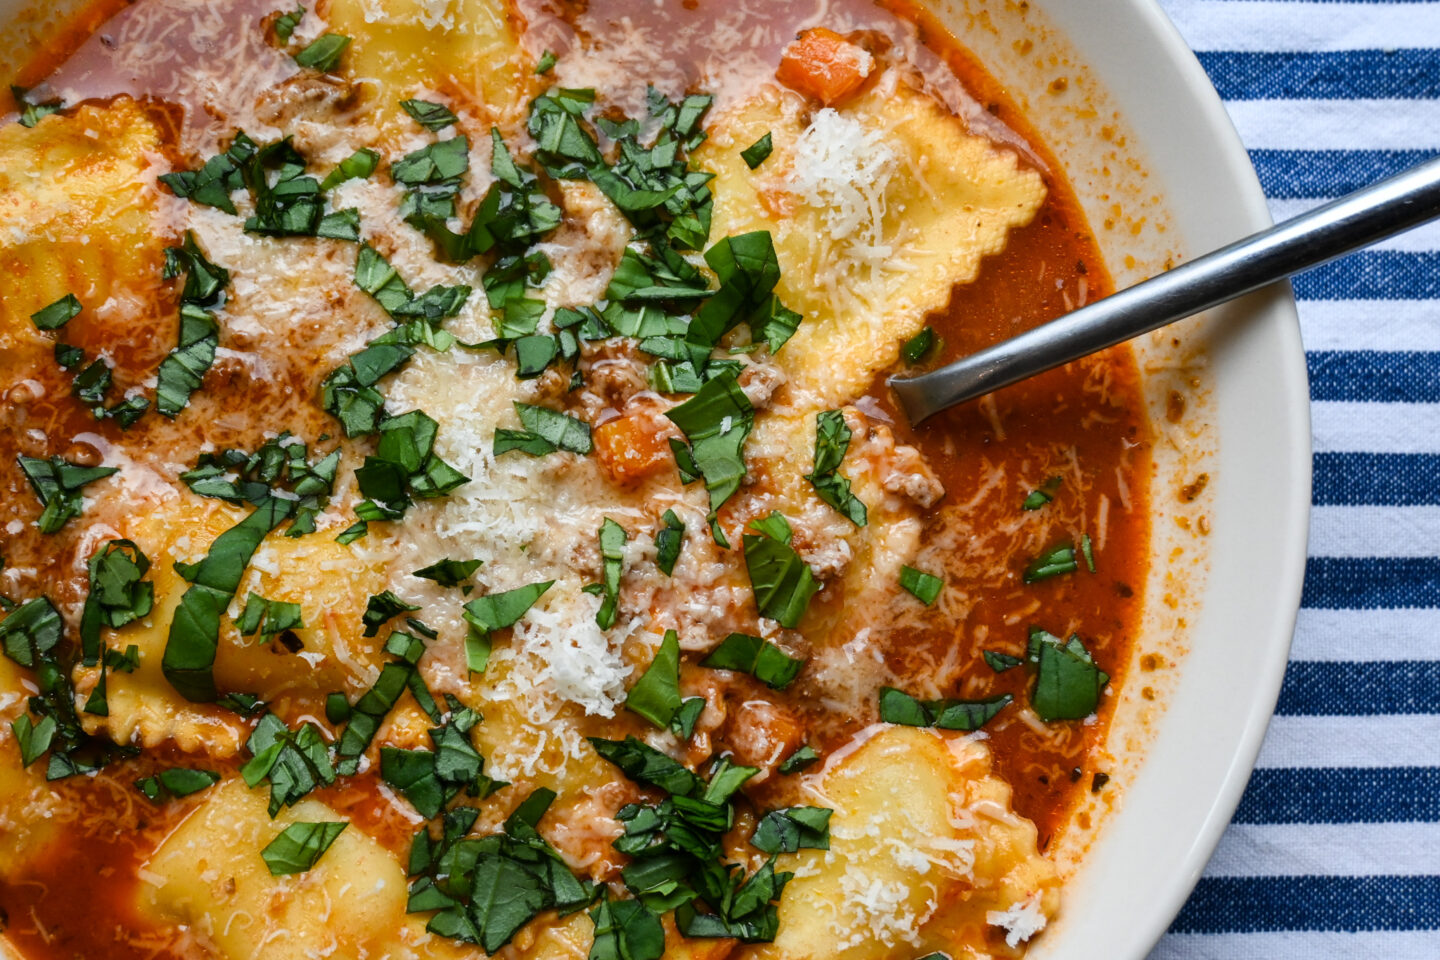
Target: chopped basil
126,662
59,484
431,779
358,166
656,695
668,540
757,152
1000,661
33,113
449,573
546,62
431,116
832,439
33,738
281,463
1087,550
1068,684
748,269
363,718
221,176
760,658
323,54
194,637
782,581
925,587
716,422
1043,494
294,761
546,431
493,612
793,828
485,889
300,846
268,618
30,635
175,783
286,23
183,370
625,930
612,549
915,349
683,723
404,468
899,707
117,594
1054,562
799,760
58,314
382,607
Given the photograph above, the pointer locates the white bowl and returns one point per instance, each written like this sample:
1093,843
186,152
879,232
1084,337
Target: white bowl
1139,126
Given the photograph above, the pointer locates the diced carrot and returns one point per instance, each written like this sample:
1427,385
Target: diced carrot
632,447
824,65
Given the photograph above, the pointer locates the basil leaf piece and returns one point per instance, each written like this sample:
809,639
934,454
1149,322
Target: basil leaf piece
294,761
117,595
59,484
1043,494
268,618
300,846
641,762
360,165
176,782
58,314
625,930
382,607
33,738
832,439
656,695
716,422
782,582
286,23
668,540
431,116
915,349
449,573
1056,561
760,658
1087,550
899,707
546,62
194,637
1068,684
757,152
612,549
323,54
682,724
33,113
493,612
799,760
183,369
217,179
546,431
923,586
793,828
1000,662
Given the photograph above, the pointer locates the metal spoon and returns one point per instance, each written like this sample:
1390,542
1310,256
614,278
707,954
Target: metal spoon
1342,226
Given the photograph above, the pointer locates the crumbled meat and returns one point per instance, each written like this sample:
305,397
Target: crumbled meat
899,466
316,110
759,380
761,733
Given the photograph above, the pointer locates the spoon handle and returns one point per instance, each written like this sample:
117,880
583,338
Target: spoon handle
1367,216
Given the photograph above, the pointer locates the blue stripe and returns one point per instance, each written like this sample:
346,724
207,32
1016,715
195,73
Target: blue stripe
1382,479
1374,376
1371,583
1341,795
1271,904
1374,275
1328,75
1313,174
1369,688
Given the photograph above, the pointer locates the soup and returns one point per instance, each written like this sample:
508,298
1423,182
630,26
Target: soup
454,504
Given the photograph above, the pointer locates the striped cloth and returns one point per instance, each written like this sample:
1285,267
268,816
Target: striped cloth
1335,850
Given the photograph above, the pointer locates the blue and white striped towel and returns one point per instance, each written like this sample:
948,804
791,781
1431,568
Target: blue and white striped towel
1335,850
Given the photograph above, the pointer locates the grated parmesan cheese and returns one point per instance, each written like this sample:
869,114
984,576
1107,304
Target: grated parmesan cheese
1021,920
842,169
